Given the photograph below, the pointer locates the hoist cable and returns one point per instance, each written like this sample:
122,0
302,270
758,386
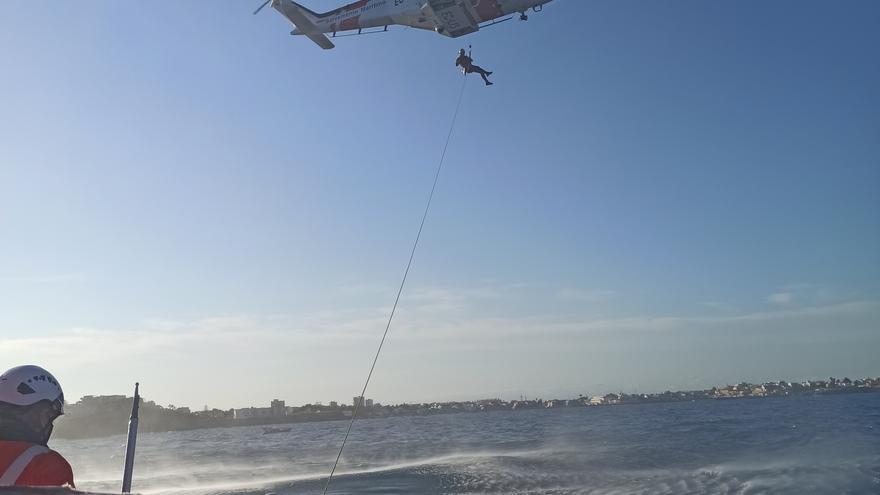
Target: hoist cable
412,254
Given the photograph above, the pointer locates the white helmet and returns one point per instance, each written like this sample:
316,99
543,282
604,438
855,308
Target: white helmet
27,385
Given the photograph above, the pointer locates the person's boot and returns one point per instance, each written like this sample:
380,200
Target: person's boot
489,83
489,73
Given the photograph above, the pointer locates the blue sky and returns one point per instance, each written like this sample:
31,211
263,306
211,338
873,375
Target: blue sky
653,195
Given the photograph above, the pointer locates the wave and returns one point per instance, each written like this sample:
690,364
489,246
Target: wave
651,450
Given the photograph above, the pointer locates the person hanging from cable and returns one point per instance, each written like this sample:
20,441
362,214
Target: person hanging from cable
30,400
467,65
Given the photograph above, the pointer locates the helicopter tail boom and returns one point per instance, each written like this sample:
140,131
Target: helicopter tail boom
302,20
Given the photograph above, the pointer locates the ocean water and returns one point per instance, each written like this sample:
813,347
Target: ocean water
802,445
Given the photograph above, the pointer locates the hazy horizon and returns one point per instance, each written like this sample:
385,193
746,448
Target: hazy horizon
652,196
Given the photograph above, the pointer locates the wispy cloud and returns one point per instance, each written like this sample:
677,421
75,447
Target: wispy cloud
234,350
586,295
257,334
440,299
808,294
781,298
719,306
543,327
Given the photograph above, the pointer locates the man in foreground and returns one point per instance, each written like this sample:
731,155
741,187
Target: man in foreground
30,400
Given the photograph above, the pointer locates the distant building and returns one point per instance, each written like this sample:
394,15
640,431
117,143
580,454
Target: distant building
218,413
527,404
491,404
369,403
252,412
333,404
277,407
357,401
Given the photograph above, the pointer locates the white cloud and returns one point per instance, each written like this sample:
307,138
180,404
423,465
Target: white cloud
781,298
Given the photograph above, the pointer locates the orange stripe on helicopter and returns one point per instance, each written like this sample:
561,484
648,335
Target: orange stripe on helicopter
350,23
355,5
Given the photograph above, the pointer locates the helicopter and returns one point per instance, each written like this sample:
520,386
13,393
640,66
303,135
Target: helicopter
452,18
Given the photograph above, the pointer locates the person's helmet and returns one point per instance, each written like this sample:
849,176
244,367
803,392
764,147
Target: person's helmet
461,52
30,400
28,385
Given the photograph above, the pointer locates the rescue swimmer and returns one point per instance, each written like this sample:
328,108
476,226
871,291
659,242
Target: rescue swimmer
467,65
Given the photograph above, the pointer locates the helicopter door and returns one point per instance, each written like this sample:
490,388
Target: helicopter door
454,18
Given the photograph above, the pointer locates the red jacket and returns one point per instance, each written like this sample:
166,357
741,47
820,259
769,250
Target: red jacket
32,465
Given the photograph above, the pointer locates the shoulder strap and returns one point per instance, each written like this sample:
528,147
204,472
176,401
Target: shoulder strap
20,464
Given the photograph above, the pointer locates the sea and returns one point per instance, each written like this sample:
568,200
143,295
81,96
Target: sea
797,445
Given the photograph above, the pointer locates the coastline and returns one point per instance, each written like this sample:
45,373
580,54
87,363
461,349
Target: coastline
95,417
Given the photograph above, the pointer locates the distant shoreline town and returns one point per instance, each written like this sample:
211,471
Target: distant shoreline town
98,416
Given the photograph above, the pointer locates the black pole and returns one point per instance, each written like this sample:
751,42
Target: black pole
132,440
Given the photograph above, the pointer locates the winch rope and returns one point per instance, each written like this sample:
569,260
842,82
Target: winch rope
412,254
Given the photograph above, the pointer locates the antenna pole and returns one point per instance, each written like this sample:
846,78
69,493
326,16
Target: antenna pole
132,440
